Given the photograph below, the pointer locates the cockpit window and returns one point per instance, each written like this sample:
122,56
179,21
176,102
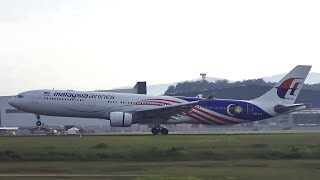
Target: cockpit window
20,96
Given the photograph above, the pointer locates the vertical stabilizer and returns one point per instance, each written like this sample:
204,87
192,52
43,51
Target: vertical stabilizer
288,88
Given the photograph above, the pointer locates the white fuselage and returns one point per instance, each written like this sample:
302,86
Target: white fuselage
123,110
101,104
89,104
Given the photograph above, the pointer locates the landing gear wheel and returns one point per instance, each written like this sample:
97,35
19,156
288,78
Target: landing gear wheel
164,131
38,123
155,131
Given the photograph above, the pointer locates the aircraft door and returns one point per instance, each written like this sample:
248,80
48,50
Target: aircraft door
35,98
250,109
92,102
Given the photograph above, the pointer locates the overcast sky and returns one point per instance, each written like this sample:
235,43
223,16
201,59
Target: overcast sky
87,45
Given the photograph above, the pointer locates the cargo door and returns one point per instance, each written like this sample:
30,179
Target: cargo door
250,109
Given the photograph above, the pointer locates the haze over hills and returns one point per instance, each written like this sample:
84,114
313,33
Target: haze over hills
159,89
313,78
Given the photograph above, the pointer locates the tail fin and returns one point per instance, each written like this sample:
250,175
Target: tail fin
288,88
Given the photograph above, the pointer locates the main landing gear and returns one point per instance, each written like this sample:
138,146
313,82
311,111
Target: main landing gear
38,123
157,130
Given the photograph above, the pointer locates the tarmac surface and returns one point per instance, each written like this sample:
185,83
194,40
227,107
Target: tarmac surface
173,134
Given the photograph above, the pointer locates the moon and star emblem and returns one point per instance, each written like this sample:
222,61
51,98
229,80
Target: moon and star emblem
237,109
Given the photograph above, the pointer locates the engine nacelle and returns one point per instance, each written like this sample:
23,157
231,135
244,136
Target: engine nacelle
120,119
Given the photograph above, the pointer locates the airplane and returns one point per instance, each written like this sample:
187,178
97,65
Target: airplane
123,110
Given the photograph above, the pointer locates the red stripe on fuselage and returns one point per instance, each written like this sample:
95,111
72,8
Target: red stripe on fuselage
208,119
217,117
200,120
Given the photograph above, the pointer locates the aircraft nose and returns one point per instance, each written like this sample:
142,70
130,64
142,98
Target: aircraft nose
13,102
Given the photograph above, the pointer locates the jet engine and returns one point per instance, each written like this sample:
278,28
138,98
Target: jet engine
120,119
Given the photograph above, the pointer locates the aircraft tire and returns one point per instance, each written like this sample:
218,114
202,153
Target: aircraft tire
164,131
38,123
155,131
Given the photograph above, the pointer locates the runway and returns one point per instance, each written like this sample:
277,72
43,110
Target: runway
173,134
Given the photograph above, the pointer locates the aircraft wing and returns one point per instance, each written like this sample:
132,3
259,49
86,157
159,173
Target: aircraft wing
164,113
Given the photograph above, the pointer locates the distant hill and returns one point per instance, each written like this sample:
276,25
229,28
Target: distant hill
313,78
160,89
253,91
198,86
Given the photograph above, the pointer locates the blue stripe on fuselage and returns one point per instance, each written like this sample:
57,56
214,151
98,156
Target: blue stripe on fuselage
233,108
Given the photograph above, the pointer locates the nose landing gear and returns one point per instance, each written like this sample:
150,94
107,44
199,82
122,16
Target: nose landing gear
157,130
38,123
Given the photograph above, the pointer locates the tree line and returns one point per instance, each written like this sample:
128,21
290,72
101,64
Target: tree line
202,85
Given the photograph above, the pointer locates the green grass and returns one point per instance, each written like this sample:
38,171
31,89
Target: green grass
216,170
160,148
164,157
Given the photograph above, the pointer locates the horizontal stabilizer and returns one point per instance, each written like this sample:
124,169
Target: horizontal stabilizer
287,109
